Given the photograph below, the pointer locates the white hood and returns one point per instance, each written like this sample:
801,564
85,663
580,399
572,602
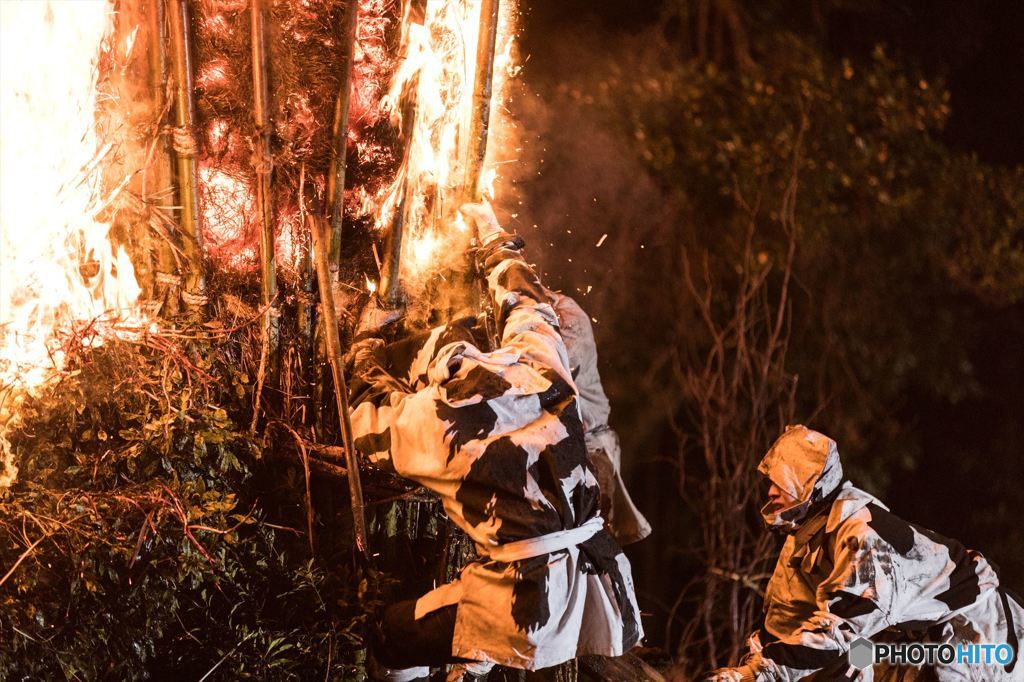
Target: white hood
805,464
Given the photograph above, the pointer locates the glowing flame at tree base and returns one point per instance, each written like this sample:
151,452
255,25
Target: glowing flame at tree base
58,268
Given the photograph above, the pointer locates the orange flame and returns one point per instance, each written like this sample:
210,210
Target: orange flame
439,62
58,267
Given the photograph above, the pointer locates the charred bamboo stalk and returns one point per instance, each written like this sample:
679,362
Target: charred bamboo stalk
390,282
264,167
477,129
339,136
480,115
180,20
332,340
390,290
159,173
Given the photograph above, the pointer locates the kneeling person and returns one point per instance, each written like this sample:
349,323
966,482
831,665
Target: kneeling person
850,568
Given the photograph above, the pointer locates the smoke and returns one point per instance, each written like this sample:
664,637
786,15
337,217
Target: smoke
607,231
596,222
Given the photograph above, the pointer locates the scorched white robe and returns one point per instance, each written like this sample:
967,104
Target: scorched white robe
857,570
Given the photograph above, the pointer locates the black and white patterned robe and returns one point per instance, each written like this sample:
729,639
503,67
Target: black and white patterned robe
858,570
498,436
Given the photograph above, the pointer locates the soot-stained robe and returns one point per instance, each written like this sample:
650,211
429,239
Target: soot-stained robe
498,436
858,570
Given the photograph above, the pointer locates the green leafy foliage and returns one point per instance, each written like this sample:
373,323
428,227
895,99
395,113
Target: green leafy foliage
896,234
882,209
148,537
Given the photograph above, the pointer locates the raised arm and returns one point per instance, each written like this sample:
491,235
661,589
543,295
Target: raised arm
527,321
417,428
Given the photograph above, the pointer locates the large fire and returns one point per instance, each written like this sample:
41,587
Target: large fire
436,74
57,265
60,270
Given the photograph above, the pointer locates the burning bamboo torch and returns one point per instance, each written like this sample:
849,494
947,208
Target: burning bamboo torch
263,163
184,143
479,119
390,293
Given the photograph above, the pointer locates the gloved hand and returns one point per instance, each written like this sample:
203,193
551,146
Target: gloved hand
482,216
495,244
360,357
741,674
374,319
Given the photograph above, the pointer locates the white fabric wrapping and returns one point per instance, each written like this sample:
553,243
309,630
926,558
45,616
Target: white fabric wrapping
552,542
498,436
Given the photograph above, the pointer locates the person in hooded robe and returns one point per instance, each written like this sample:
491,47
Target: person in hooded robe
852,569
623,520
499,437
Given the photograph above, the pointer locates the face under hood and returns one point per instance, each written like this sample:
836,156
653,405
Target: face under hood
805,464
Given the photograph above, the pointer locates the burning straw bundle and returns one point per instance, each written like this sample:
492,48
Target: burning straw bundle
258,152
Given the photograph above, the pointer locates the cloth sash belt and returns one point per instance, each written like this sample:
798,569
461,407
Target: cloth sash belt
545,544
451,593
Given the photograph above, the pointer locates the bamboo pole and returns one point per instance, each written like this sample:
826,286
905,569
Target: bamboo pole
390,277
480,115
160,171
390,280
264,168
333,342
339,137
477,129
325,242
180,20
390,291
334,206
